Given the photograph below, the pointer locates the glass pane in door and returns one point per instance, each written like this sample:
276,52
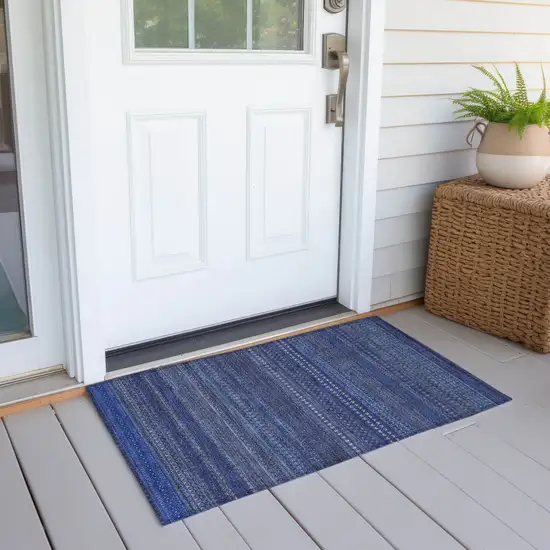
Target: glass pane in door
161,23
278,25
14,314
219,24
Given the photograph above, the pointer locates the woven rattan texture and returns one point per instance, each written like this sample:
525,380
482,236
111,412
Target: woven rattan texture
489,260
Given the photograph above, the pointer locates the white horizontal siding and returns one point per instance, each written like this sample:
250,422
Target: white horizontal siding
519,2
402,300
403,229
459,47
429,47
392,259
406,283
391,288
400,202
424,139
450,79
476,16
423,109
421,169
381,290
408,111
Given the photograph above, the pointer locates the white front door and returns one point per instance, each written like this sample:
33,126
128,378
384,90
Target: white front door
31,332
218,177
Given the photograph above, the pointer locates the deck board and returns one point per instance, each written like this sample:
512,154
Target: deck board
459,514
213,531
497,348
522,426
507,377
20,526
494,493
390,512
67,501
265,525
330,521
113,480
521,471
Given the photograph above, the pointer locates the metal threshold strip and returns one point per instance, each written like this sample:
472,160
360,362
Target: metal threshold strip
153,353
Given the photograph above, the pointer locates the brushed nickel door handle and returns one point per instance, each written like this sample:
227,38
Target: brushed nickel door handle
343,62
335,57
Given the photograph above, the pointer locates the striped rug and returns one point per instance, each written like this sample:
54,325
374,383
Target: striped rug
201,434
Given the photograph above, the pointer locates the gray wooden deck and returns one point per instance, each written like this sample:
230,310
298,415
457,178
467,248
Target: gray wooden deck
482,483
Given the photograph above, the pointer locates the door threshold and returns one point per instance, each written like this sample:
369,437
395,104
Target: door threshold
346,316
182,344
35,384
55,388
30,375
235,344
42,400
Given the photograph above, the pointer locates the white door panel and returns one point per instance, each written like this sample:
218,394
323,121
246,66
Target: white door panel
219,182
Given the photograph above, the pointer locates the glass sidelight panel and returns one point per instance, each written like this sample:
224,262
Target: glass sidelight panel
14,317
219,24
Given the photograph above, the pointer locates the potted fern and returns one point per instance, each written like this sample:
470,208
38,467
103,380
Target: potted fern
515,146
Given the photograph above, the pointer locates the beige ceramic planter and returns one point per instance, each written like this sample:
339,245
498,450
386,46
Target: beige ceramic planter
506,160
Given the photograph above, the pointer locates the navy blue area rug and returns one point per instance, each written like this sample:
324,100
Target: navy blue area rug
200,434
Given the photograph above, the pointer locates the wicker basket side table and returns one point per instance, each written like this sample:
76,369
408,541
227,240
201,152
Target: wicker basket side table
489,260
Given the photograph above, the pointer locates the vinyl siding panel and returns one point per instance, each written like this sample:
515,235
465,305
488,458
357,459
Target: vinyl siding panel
429,47
447,78
392,203
401,257
465,47
399,172
408,141
467,16
402,229
414,111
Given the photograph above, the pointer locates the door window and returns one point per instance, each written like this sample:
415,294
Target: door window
273,25
14,316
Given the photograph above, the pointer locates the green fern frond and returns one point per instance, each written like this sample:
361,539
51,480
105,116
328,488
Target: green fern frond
464,116
520,121
521,98
506,93
492,77
501,105
542,98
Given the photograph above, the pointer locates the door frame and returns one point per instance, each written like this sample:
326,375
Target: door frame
76,202
42,349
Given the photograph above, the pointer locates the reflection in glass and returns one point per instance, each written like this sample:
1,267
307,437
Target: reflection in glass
14,319
161,23
219,24
278,25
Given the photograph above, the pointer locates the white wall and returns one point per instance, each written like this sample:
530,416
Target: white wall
429,47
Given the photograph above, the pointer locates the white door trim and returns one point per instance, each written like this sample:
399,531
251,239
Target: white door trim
74,192
360,159
76,204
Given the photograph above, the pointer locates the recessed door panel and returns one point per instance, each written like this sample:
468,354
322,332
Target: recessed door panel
278,181
168,171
